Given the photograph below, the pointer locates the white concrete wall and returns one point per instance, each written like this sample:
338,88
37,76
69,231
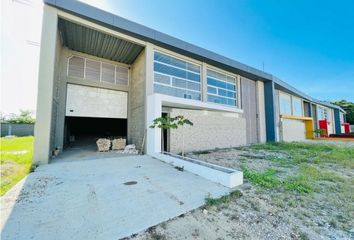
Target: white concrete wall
211,130
262,136
293,130
46,76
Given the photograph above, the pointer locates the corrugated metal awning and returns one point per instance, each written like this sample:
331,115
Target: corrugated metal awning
86,40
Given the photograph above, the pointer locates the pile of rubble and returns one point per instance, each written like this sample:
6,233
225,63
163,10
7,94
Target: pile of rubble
118,145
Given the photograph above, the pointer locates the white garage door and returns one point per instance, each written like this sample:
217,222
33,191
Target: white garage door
293,130
82,101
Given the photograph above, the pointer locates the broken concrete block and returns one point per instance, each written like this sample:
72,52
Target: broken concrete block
103,144
118,144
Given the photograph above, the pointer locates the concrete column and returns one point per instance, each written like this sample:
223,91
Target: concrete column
262,137
269,99
149,55
204,82
338,127
150,113
45,86
153,137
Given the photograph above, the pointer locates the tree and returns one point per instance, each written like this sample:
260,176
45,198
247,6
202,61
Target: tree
25,116
348,107
172,123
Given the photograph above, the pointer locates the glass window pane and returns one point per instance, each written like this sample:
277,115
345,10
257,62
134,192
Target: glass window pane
219,84
285,104
184,77
193,86
158,67
297,108
162,79
193,77
231,86
169,60
179,83
216,83
231,94
222,92
212,90
193,67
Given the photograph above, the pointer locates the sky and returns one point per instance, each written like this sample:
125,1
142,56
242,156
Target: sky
308,44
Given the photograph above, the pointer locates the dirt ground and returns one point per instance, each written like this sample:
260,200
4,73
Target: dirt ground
290,191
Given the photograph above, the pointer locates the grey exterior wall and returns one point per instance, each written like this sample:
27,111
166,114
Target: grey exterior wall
210,130
60,91
249,105
278,129
136,102
17,129
55,96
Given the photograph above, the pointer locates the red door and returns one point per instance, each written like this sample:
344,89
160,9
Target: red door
323,124
346,127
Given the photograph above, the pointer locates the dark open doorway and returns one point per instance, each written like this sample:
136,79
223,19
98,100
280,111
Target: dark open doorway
84,131
165,137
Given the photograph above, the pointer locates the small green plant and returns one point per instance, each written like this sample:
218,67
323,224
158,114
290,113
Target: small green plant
265,179
321,132
172,123
209,201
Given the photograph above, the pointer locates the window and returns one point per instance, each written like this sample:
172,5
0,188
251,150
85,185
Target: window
284,103
99,71
341,117
176,77
222,88
322,113
297,106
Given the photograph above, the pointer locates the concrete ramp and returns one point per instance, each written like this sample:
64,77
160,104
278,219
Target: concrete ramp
107,198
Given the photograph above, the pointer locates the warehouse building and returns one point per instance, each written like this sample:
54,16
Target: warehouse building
101,75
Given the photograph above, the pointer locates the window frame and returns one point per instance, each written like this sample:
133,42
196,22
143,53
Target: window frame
301,106
186,60
291,97
290,103
325,112
227,74
101,61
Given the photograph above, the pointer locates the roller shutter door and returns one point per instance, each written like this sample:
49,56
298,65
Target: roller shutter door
83,101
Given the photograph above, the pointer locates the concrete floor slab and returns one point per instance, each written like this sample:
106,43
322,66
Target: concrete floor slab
89,200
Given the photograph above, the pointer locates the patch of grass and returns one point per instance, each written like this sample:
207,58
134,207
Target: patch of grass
264,179
16,160
209,201
302,182
312,153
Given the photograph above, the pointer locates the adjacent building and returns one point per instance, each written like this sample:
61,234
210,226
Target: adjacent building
102,75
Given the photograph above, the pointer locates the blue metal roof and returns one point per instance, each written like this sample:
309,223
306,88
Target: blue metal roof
147,34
